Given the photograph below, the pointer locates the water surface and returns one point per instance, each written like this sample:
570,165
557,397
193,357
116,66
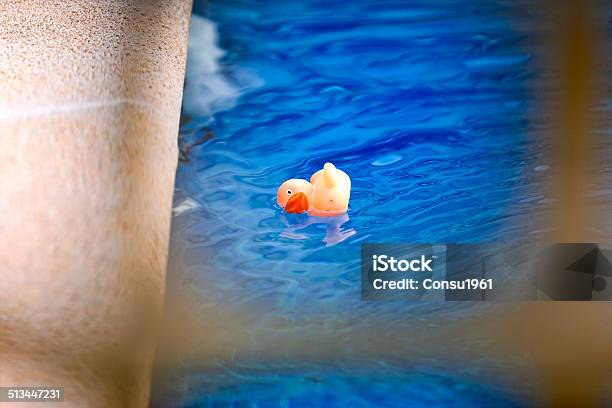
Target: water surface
425,107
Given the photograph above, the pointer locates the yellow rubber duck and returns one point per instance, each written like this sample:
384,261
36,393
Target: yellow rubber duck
326,195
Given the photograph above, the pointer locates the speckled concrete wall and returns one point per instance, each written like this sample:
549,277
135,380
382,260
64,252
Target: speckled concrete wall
90,95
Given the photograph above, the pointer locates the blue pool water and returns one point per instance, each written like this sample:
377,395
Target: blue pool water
425,107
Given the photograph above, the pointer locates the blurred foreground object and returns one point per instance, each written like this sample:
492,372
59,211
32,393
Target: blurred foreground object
577,46
569,341
90,95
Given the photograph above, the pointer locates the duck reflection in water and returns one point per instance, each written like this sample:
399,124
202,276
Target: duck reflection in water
334,233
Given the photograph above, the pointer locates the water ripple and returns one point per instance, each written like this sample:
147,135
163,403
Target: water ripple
426,108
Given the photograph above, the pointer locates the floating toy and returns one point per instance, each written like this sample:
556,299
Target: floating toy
326,195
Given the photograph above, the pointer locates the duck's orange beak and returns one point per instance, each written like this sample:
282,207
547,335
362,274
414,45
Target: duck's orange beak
297,204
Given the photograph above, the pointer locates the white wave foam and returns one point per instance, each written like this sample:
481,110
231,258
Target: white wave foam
207,89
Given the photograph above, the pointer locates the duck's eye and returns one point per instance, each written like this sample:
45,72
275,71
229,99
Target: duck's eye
289,192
